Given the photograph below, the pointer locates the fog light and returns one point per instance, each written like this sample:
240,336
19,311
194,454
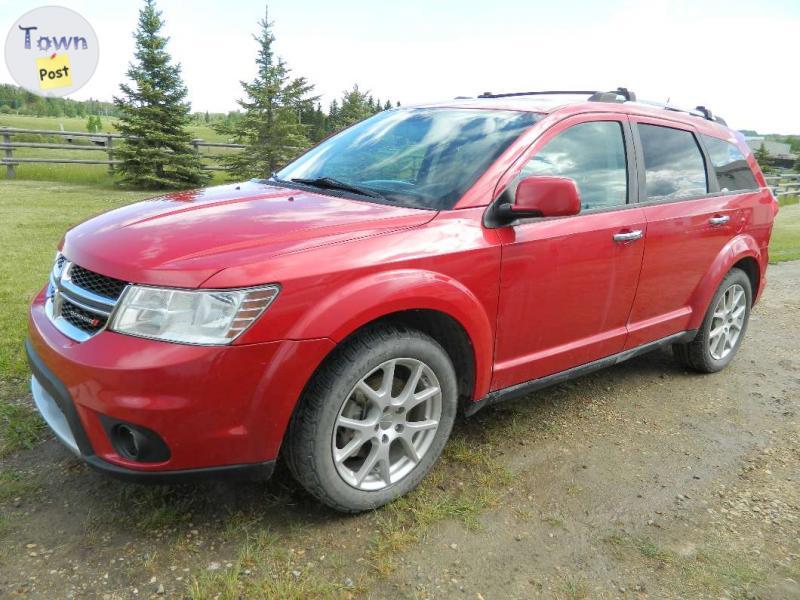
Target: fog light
125,441
134,442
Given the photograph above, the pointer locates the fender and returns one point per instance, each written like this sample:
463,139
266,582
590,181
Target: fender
742,246
380,294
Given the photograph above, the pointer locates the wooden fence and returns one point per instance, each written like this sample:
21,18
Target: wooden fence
82,141
784,184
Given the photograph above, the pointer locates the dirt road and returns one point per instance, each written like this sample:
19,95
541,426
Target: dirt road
643,480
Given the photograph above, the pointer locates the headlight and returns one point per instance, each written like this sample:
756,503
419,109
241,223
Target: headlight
190,316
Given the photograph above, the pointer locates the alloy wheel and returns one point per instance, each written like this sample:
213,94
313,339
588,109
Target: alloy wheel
727,322
387,424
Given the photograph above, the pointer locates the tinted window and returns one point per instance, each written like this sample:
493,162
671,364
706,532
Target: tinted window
422,157
730,165
673,164
592,154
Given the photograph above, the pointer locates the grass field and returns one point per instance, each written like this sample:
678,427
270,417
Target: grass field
203,132
35,214
785,243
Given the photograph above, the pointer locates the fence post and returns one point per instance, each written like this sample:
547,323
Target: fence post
9,154
110,150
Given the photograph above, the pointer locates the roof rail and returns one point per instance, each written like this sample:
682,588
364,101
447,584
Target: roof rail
621,94
614,96
545,93
594,95
699,111
710,116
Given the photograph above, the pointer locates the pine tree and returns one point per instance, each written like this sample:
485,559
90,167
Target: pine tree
355,107
762,157
388,105
270,126
333,116
157,150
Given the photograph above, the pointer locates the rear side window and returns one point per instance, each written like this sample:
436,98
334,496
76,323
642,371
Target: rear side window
673,164
730,165
591,154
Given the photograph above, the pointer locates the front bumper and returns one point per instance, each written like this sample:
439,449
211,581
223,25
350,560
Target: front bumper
218,409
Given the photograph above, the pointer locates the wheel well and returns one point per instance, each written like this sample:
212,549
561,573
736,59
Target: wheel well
449,334
750,266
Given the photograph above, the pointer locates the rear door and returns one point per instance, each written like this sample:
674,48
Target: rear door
567,284
688,222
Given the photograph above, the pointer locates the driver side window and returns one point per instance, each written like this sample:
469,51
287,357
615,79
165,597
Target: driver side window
593,155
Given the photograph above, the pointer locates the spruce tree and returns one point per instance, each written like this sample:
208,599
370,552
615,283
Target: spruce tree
762,157
270,126
153,112
356,106
333,116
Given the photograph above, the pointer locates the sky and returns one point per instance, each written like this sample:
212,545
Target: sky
737,57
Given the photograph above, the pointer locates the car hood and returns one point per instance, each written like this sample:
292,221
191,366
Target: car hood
182,239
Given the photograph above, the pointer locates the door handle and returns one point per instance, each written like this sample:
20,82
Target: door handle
719,220
628,236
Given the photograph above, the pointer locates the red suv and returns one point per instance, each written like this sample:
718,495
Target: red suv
423,262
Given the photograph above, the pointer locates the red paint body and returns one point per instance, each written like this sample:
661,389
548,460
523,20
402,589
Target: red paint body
534,299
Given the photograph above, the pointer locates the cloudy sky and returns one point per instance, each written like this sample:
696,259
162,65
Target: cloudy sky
737,57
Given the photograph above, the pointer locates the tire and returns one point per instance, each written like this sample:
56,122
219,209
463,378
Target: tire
385,429
705,353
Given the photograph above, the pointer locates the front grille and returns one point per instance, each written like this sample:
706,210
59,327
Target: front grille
101,285
83,319
79,301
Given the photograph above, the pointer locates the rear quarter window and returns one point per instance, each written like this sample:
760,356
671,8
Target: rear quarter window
730,165
673,164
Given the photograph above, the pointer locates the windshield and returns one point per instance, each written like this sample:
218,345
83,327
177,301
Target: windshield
422,158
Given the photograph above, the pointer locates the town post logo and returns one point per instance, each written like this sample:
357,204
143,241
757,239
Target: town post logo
51,51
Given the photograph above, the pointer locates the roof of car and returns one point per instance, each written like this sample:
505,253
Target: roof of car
568,103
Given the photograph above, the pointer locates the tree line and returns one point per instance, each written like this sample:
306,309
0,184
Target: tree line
279,114
16,100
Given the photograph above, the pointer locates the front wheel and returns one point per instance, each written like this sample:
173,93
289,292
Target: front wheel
374,419
723,328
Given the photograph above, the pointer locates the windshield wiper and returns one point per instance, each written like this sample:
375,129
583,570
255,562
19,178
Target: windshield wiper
334,184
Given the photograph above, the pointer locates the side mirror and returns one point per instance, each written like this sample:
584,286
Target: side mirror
543,196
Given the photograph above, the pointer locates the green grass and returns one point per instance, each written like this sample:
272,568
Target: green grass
15,484
203,132
711,569
785,244
265,569
20,427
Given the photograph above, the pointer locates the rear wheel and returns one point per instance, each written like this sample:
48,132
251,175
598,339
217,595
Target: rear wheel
723,328
374,419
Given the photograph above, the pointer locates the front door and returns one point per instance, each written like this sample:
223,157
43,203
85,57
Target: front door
567,284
